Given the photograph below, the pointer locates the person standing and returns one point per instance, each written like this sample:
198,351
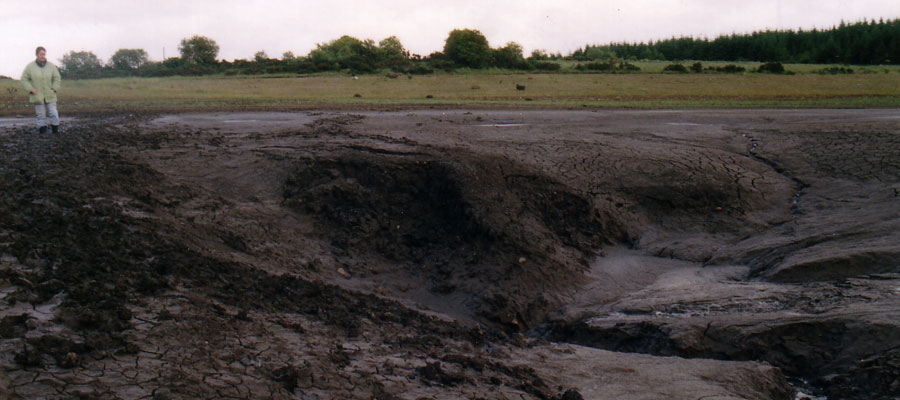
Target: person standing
41,79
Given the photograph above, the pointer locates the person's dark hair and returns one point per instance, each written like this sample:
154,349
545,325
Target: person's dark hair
38,50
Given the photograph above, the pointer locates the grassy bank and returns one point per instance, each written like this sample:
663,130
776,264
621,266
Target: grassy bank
642,90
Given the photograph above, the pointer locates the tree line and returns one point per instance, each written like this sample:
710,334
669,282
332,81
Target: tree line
464,48
866,42
861,43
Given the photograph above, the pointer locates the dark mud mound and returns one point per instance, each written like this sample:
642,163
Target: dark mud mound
679,197
506,236
843,358
66,217
406,210
845,221
83,254
836,264
71,233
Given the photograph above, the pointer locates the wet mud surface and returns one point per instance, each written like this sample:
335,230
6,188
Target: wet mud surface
437,254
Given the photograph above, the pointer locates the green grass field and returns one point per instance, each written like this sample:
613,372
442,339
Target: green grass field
878,88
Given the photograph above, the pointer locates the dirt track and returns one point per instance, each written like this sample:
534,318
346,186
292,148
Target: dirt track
453,254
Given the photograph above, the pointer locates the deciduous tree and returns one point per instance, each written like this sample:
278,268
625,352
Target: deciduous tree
128,59
391,52
199,50
509,56
346,52
468,48
80,65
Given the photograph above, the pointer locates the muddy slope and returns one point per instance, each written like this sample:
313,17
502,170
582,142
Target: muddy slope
101,301
434,254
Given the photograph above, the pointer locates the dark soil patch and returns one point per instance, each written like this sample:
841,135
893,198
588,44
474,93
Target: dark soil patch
70,217
476,225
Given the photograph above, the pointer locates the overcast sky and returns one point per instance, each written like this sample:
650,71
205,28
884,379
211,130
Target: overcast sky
243,27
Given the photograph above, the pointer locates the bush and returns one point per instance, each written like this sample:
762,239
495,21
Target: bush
301,65
509,56
357,64
441,64
594,66
628,67
675,68
835,71
771,67
546,66
608,66
697,67
728,69
419,69
523,65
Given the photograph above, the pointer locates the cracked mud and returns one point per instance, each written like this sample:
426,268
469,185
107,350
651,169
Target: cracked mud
443,254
